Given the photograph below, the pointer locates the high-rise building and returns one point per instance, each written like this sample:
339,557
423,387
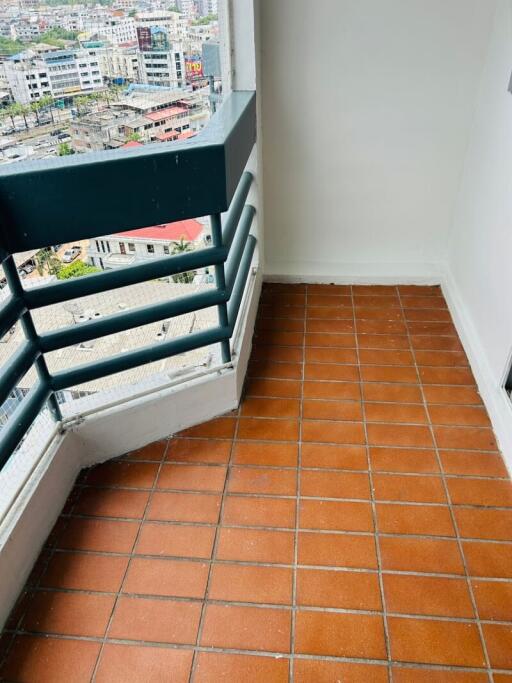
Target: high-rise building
206,7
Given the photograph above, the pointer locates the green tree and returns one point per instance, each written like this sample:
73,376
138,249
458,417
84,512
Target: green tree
47,262
36,108
76,269
133,137
182,247
64,149
47,102
203,21
17,109
10,47
56,36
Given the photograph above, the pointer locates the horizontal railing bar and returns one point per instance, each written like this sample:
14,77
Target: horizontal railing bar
119,322
123,277
10,312
236,208
16,367
21,419
237,248
42,202
240,283
126,361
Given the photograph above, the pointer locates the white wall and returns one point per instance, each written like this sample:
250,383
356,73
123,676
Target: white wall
367,106
481,248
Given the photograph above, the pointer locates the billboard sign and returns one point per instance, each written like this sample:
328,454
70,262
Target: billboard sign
152,38
144,37
193,68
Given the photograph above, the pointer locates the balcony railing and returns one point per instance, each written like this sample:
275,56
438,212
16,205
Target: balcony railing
61,201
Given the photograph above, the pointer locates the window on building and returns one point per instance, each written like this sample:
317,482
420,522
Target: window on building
97,245
508,383
131,246
166,250
102,246
150,248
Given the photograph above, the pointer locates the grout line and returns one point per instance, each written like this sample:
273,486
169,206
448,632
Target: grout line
455,524
119,592
53,549
218,528
293,625
374,515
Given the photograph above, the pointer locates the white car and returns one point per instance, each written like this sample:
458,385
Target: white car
71,254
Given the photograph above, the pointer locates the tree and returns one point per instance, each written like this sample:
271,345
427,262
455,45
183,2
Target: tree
47,102
64,149
10,47
133,137
47,262
36,108
76,269
56,36
183,247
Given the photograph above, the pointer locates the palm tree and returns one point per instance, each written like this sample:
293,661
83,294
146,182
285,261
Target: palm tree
36,108
23,110
47,101
11,111
47,261
182,247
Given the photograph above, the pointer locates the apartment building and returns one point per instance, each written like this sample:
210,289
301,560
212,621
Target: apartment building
119,62
32,75
124,248
206,7
117,30
25,30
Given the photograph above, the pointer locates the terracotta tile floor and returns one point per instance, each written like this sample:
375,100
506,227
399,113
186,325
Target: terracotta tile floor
351,522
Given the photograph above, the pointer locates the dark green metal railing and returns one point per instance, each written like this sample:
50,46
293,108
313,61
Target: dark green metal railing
60,201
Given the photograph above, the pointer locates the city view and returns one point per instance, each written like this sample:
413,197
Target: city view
85,77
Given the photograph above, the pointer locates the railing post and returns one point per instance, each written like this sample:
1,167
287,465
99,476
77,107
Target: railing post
220,282
16,288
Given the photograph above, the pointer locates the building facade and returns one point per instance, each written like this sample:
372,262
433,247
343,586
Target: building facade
124,248
58,73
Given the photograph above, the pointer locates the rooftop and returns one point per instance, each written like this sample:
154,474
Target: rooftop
188,230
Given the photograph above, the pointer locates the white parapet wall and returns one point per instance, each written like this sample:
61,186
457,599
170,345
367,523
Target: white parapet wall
37,481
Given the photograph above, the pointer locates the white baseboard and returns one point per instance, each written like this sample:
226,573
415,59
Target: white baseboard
355,273
493,394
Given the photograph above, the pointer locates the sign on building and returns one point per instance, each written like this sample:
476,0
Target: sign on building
193,68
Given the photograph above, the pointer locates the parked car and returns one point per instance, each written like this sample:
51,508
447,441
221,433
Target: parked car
64,136
26,269
71,254
57,131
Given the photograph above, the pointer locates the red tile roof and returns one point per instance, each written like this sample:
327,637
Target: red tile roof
165,113
188,230
171,135
133,143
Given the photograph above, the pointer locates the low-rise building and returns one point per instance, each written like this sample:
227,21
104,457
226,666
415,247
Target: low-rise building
124,248
100,130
